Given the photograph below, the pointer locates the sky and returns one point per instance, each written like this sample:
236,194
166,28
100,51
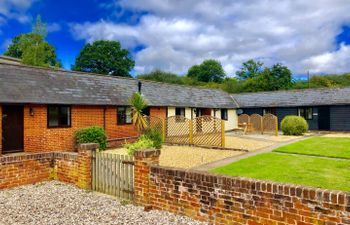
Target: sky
173,35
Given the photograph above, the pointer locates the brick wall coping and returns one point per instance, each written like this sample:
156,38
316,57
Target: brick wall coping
88,146
231,183
7,159
147,153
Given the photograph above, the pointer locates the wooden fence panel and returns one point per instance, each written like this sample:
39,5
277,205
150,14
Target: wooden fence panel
113,174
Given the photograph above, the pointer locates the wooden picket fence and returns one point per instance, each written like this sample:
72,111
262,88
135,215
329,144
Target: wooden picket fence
113,174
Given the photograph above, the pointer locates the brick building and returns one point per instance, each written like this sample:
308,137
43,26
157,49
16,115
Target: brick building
42,108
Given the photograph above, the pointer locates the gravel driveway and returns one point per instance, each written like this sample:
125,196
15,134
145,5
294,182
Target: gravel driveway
57,203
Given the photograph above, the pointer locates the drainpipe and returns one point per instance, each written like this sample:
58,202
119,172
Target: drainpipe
104,117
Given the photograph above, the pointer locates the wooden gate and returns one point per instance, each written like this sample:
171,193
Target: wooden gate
113,174
206,131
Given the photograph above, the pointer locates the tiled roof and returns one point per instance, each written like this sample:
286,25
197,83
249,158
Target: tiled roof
25,84
307,97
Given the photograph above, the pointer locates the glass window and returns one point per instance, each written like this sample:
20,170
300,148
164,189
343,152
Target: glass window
124,115
305,112
224,115
58,116
180,112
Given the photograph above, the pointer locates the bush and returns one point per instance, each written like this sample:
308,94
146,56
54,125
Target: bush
155,136
92,135
294,125
142,143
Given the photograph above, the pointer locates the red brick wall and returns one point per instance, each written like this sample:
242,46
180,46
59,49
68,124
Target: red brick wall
38,137
234,200
15,171
69,167
159,112
0,130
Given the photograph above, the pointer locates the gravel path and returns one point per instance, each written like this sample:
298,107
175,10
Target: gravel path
57,203
186,156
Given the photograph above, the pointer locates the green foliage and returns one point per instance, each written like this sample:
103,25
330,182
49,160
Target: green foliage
141,144
92,135
294,125
208,71
104,57
155,136
250,69
33,50
161,76
138,104
39,27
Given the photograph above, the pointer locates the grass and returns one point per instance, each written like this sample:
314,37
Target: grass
320,146
295,169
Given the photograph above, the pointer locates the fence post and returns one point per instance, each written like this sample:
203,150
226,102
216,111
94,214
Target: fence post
262,124
85,165
191,132
144,159
164,129
222,133
276,125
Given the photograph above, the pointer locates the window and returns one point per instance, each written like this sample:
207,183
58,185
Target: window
180,112
124,115
305,112
269,111
224,115
58,116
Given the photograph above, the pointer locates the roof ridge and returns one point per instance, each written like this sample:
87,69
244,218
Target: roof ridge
108,76
291,90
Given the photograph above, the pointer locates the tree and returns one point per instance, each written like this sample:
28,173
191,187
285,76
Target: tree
161,76
250,69
104,57
33,50
279,77
138,103
208,71
39,27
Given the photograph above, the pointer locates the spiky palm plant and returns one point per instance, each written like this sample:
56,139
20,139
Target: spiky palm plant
138,103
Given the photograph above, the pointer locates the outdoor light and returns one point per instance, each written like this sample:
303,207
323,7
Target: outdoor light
31,111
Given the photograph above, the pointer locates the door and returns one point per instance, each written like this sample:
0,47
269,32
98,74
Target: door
323,118
12,129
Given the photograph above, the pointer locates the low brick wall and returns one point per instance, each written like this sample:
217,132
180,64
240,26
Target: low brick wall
233,200
69,167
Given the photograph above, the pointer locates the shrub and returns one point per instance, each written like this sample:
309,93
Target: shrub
92,135
294,125
142,143
155,136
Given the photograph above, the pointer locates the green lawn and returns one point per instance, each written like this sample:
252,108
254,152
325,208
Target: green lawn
295,169
320,146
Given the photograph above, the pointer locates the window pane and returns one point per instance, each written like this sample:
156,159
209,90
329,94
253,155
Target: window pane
224,114
121,115
64,116
128,115
309,113
53,116
180,112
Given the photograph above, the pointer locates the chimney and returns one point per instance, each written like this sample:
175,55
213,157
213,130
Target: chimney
140,86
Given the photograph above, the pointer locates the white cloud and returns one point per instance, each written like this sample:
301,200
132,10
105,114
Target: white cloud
53,27
178,34
330,62
15,9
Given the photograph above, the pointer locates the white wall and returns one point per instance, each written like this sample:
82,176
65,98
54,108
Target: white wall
232,121
230,124
171,112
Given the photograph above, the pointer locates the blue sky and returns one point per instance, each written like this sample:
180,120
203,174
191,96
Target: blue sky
173,35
